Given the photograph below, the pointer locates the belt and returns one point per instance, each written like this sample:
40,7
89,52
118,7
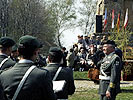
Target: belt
104,77
62,99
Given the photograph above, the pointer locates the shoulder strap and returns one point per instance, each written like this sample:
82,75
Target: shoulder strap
22,82
3,61
57,73
113,58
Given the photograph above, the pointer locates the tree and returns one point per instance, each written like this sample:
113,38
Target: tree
4,14
22,17
123,38
87,10
64,14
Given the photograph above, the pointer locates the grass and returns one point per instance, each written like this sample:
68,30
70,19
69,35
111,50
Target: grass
80,75
127,94
85,95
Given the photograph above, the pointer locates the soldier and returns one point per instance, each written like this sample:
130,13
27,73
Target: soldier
6,44
55,58
37,86
14,54
109,72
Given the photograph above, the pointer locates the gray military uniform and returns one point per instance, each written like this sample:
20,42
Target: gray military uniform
38,85
110,76
65,74
8,63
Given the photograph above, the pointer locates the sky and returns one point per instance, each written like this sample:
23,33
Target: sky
70,35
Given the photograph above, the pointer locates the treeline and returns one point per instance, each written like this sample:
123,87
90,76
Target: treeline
44,19
21,17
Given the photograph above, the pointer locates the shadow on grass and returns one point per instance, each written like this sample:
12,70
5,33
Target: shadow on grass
126,90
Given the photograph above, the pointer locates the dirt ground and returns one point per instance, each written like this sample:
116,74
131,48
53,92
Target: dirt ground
83,85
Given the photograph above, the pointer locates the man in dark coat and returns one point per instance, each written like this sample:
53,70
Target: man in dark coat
14,54
38,85
6,44
55,59
110,72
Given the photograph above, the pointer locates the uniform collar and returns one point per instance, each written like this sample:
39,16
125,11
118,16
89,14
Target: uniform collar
3,54
53,63
25,61
111,54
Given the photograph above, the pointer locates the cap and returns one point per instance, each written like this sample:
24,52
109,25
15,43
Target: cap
56,51
29,42
6,42
14,48
109,42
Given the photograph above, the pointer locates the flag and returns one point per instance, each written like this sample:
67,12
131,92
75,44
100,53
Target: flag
118,22
126,19
113,18
105,19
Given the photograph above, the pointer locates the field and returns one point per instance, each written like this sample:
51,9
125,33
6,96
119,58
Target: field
127,94
92,93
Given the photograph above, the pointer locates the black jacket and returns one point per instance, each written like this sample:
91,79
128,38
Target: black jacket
65,74
38,85
9,63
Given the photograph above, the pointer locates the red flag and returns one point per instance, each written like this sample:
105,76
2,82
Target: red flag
126,19
118,22
105,19
113,18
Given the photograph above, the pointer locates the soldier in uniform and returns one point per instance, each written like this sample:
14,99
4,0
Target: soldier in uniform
6,44
55,58
110,72
14,54
37,86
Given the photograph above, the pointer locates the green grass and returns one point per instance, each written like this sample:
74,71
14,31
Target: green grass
80,75
85,95
127,94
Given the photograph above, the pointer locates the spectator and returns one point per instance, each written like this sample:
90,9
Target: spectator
70,58
98,40
64,56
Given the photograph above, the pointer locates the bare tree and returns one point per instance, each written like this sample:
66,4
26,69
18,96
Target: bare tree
64,14
87,10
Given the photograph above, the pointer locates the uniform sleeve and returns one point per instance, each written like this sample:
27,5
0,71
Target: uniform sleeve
115,73
49,87
71,86
1,92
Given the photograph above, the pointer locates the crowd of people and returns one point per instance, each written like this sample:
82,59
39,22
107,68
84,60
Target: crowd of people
86,53
26,75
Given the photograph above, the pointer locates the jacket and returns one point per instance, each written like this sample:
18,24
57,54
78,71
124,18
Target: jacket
38,85
65,74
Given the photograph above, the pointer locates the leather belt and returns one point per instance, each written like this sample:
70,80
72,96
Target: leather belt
104,77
